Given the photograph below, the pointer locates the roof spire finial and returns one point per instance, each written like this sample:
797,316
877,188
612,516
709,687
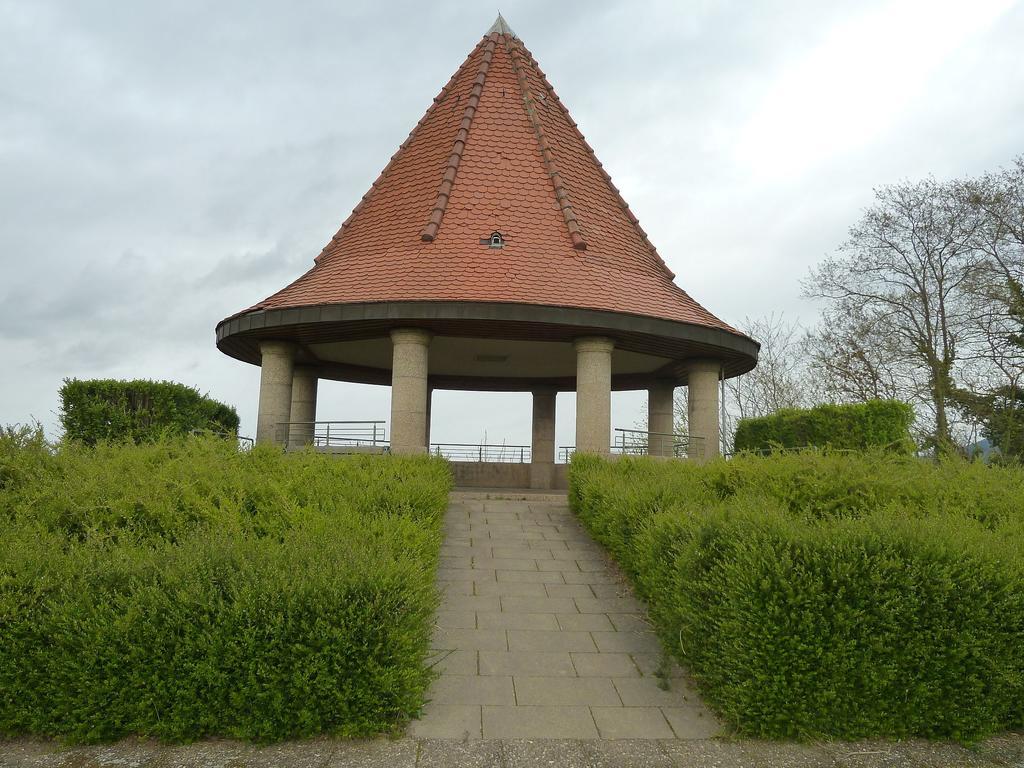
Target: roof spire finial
501,27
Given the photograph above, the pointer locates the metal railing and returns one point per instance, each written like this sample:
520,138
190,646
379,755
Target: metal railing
332,434
509,454
244,443
640,442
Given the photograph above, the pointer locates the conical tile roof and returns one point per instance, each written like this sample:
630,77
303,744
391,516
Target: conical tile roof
496,152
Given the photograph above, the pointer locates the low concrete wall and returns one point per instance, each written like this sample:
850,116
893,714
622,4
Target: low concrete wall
343,449
490,474
493,474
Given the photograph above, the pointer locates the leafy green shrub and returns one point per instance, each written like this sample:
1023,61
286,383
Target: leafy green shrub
876,423
107,409
824,595
24,452
180,589
808,484
1002,418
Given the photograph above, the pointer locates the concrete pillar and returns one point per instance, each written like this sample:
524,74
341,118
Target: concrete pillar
430,406
542,450
594,394
703,408
660,419
409,390
275,391
304,385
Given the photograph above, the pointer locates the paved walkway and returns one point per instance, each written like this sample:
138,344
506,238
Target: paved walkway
538,637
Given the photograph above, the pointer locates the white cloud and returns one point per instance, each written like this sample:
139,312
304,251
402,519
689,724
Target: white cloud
858,78
222,145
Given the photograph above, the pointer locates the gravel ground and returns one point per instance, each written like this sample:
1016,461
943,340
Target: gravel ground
1005,750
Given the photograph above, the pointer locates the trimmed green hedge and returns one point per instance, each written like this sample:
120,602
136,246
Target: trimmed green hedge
820,595
107,409
181,589
859,426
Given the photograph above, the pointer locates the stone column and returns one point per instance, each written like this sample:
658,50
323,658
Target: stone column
660,419
304,385
430,406
703,408
275,391
542,450
594,394
409,390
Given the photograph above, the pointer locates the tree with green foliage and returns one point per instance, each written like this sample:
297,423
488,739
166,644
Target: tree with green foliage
925,303
904,277
995,400
1004,421
140,411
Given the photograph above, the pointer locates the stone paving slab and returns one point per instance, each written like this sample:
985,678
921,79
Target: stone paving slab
585,691
561,646
522,664
591,752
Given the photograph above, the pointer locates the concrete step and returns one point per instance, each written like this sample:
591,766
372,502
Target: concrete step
508,494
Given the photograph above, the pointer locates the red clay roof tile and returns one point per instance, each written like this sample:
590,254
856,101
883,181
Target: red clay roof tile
495,152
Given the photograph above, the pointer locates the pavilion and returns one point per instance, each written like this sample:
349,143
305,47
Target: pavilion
492,253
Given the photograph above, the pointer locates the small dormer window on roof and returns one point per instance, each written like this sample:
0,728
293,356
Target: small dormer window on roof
495,240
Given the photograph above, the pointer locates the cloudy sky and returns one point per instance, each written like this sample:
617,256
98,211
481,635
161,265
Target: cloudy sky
163,165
